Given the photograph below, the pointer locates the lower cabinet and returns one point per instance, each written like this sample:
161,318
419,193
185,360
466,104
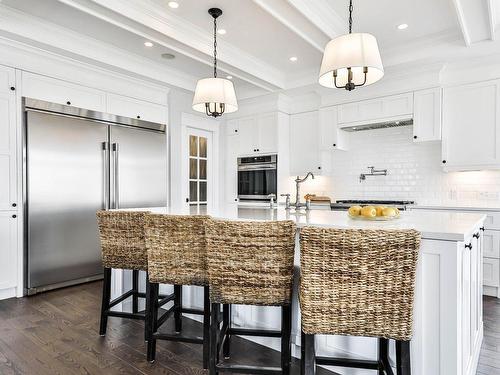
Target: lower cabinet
8,251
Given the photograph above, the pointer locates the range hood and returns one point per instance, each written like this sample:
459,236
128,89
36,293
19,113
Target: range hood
377,125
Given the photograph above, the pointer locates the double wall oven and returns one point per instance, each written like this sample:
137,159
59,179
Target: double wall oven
257,177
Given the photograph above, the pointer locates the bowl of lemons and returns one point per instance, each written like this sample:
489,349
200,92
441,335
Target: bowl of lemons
376,213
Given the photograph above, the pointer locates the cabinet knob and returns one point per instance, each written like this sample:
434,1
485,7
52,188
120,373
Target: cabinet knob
469,246
236,130
476,235
415,137
258,149
254,150
482,229
334,145
68,102
138,116
14,216
444,161
14,204
12,88
236,199
319,167
187,200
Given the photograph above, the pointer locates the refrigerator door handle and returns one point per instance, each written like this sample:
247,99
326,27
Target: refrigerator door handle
116,183
105,158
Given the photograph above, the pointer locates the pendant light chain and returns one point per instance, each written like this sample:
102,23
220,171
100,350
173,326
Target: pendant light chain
215,47
350,16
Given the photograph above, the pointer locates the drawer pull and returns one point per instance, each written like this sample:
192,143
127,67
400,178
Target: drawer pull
469,246
481,229
476,235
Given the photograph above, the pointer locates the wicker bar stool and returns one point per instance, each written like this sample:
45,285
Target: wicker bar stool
249,263
358,282
176,255
123,246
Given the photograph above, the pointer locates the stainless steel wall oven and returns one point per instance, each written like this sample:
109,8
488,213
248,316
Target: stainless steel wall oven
257,177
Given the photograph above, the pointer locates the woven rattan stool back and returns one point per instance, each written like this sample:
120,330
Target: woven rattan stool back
358,282
251,262
122,239
177,248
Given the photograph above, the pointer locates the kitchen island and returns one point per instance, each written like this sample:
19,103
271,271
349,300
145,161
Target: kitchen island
448,326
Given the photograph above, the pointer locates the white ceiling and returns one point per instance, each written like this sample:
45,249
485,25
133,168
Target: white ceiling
261,34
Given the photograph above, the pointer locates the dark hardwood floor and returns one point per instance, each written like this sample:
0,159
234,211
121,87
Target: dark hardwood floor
57,333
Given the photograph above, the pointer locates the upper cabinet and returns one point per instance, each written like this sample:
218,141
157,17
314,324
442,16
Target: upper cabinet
374,110
135,108
427,115
471,126
331,136
8,173
257,134
57,91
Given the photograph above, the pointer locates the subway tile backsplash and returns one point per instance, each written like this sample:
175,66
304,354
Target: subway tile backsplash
414,172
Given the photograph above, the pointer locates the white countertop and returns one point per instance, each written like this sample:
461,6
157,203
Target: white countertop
447,226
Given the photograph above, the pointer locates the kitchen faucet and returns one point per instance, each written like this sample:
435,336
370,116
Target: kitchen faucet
373,172
298,181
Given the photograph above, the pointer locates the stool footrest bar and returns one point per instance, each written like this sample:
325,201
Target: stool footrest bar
253,332
121,298
127,315
349,362
165,299
171,337
164,317
192,311
248,369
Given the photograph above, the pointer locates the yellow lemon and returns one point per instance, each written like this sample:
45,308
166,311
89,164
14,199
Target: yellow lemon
354,210
389,211
379,209
368,211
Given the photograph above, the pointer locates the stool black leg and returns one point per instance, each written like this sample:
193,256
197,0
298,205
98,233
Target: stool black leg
178,308
286,348
152,322
206,326
106,298
226,318
383,357
148,310
135,288
403,366
308,355
214,333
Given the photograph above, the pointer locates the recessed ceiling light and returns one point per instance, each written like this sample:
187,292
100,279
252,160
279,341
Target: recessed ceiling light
229,77
173,4
293,58
403,26
168,56
222,31
148,44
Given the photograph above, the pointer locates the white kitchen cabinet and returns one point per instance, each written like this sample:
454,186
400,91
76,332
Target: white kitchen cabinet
331,136
257,134
57,91
491,244
375,110
427,115
8,173
8,249
471,126
491,272
135,108
231,168
232,127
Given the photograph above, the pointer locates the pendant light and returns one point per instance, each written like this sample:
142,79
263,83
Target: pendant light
351,60
215,96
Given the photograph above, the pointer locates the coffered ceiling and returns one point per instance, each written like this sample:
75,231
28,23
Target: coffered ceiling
261,35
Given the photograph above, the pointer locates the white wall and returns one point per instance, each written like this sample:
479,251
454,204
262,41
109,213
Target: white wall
414,173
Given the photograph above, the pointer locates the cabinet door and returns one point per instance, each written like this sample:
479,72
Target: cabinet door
491,244
331,136
134,108
231,170
491,272
267,133
232,127
304,143
8,253
57,91
466,303
471,126
8,176
427,115
247,129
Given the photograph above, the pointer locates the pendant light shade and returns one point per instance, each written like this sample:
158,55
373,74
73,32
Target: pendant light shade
351,60
356,52
215,96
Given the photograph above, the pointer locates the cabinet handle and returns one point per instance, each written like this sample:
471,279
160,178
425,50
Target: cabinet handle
236,199
334,145
469,246
236,130
14,204
476,235
319,167
14,216
138,116
68,102
254,150
415,137
12,88
482,229
444,161
258,149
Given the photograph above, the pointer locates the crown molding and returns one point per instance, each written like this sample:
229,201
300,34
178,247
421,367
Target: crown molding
321,14
192,37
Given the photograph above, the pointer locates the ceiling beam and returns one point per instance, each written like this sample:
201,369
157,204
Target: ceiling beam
290,17
321,14
474,18
492,17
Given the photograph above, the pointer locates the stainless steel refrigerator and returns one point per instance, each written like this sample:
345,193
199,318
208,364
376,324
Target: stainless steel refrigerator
77,162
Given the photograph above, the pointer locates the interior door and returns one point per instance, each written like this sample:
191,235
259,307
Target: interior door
139,167
65,188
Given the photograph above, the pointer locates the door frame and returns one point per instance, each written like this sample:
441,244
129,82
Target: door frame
212,126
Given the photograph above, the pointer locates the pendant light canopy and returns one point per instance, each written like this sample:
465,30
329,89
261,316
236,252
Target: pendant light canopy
215,96
351,60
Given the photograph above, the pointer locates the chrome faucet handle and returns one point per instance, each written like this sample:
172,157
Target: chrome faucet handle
287,200
271,197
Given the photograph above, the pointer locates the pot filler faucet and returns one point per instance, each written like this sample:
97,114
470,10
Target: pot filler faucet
298,181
